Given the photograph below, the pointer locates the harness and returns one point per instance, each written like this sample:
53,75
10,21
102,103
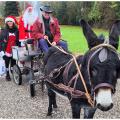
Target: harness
72,91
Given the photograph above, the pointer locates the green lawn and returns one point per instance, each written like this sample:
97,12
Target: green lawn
75,38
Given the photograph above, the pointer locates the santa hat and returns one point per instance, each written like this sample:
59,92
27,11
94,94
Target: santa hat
11,18
28,6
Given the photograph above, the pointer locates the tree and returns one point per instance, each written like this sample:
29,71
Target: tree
2,8
11,8
60,9
108,14
98,13
116,7
95,12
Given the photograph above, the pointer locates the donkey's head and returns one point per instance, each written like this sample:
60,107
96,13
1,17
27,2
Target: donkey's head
102,63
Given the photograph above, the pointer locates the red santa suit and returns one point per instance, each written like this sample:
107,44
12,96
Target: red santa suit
24,31
26,23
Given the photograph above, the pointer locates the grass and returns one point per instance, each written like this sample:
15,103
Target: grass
75,38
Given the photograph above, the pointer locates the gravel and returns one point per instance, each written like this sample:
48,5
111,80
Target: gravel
16,103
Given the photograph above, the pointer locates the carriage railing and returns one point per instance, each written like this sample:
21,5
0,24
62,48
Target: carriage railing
28,55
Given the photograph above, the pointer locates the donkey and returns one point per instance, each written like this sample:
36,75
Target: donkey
99,67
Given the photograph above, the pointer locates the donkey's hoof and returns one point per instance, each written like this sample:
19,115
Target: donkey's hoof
49,114
54,106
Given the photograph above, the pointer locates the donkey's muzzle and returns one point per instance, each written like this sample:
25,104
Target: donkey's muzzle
104,108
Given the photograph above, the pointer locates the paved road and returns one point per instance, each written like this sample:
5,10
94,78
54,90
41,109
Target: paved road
15,102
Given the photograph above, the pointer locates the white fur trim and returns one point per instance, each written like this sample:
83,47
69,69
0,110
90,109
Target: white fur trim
8,54
11,34
9,19
22,40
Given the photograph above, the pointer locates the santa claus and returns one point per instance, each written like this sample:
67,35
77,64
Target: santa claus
26,23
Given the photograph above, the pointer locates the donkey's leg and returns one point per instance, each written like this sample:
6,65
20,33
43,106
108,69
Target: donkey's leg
75,110
89,112
54,100
50,92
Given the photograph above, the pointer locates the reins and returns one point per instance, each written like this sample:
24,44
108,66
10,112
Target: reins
103,45
88,96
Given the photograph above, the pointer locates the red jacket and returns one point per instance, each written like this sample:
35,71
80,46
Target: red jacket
11,42
37,31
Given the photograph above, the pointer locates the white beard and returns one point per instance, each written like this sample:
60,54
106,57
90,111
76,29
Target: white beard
29,19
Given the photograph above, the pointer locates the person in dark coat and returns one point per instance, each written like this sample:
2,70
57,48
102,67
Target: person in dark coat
9,37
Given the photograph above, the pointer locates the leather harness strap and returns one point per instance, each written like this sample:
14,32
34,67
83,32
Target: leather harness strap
103,45
66,70
103,85
74,78
68,89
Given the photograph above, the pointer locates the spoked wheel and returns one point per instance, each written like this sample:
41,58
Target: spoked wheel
17,76
32,84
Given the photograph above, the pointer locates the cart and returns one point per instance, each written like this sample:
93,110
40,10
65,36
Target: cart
28,62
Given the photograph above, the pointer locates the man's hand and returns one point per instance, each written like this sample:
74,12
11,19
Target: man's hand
45,37
54,43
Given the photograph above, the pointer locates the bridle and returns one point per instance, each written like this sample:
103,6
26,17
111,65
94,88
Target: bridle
95,50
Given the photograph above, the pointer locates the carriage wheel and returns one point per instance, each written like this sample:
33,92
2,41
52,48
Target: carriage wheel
32,84
17,76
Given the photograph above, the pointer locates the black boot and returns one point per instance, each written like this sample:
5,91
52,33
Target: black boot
8,76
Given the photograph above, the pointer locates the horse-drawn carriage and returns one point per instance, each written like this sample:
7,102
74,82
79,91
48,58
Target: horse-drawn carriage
28,62
91,80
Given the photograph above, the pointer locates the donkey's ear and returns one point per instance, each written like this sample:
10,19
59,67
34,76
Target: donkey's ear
90,36
114,34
